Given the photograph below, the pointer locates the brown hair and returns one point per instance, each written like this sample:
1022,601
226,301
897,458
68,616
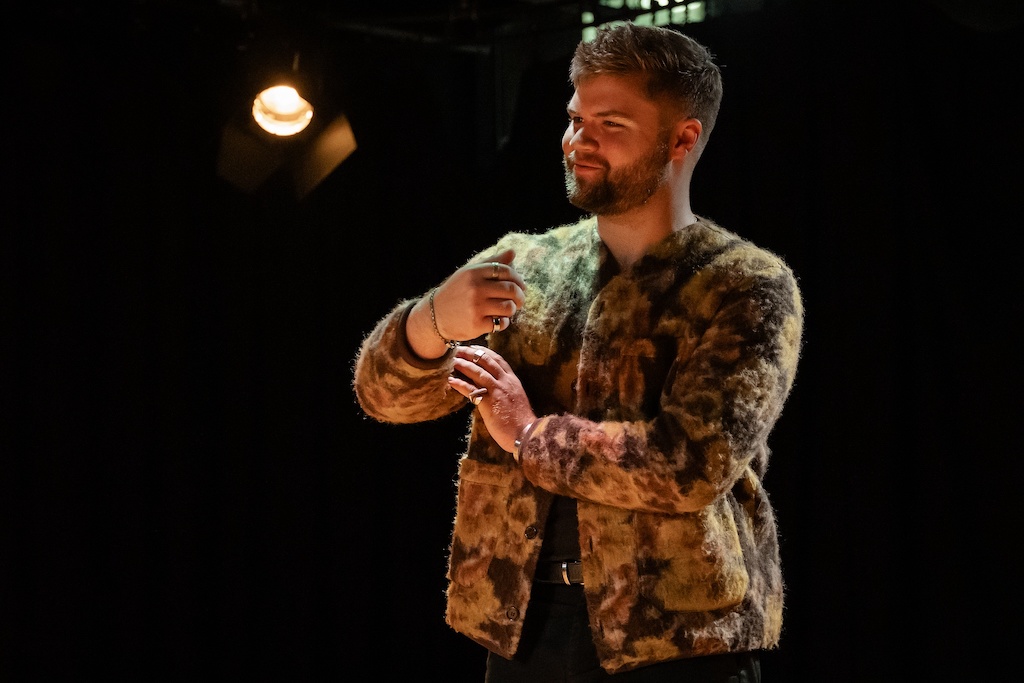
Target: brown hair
677,69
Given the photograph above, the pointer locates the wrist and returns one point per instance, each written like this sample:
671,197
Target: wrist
450,343
518,443
419,333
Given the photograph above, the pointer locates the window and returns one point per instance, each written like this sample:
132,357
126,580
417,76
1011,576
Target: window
646,13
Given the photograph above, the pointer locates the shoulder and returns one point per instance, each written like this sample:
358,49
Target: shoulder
732,254
581,234
555,248
713,269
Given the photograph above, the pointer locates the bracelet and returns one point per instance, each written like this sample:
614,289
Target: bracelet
450,343
518,443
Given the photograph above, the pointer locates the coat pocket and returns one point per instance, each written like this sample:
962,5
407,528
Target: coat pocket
695,561
480,517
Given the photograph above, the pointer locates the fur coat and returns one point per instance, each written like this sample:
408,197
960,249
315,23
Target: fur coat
657,389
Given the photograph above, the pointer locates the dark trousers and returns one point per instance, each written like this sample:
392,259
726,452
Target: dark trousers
557,647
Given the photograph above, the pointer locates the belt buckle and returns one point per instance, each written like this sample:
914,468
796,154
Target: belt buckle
565,571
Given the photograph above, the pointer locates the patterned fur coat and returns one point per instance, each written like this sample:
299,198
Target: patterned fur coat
657,389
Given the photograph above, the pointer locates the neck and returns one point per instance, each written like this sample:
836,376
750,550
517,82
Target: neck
630,235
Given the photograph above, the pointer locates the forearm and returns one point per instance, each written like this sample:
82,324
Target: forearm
647,466
717,406
392,383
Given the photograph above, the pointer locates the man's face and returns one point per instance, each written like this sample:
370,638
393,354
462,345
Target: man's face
615,152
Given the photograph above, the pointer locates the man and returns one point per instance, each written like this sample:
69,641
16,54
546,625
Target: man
611,522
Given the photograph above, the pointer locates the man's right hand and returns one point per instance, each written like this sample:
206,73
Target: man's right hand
477,299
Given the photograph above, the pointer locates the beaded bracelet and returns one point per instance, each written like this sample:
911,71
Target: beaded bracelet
450,343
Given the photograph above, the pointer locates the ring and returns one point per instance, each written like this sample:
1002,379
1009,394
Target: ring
478,356
497,325
477,395
476,400
494,270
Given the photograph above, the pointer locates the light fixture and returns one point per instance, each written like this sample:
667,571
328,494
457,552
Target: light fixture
289,125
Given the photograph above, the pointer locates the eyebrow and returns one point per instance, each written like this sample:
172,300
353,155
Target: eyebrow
608,113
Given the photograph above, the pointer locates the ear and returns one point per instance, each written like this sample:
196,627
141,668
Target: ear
685,135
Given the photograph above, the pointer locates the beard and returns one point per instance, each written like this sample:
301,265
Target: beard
619,190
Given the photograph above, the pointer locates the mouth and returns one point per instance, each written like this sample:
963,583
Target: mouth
585,166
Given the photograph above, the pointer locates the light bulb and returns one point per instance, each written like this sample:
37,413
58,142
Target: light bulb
280,110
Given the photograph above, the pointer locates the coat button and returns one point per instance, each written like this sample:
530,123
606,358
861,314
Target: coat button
531,532
512,612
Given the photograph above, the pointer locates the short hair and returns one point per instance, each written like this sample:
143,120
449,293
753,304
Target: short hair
676,68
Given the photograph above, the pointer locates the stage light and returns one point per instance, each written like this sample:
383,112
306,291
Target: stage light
292,125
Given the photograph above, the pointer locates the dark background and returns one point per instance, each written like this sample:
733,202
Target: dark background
190,490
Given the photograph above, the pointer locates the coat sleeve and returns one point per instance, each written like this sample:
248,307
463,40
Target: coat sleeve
737,341
394,385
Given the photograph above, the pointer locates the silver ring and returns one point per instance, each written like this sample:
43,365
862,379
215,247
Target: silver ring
496,322
477,395
476,400
479,356
494,270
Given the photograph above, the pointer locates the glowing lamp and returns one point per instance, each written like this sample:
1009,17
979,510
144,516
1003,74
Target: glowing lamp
280,110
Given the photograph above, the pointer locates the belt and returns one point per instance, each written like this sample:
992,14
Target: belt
569,572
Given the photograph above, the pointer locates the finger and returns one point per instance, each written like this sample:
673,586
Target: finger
506,256
497,315
503,303
462,386
504,282
505,290
477,365
494,270
475,392
499,267
474,373
474,353
484,359
497,366
474,396
500,323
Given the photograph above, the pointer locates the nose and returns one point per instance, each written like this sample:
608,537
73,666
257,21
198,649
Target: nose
576,137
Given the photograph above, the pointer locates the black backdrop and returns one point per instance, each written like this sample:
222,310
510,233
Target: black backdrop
191,492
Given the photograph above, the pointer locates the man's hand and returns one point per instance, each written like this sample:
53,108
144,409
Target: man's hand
477,299
504,405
